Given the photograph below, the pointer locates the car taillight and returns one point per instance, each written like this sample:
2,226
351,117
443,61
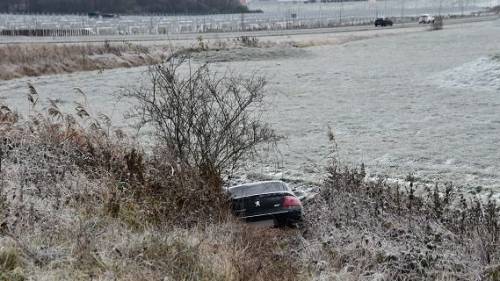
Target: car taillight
291,201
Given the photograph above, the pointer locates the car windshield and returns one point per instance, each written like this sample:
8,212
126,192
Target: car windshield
258,188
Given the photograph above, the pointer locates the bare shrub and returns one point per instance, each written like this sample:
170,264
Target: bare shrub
210,122
438,23
202,45
248,41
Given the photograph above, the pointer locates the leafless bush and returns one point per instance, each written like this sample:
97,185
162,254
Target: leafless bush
210,122
438,23
247,41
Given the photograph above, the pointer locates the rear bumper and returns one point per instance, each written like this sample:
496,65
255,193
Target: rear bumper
280,218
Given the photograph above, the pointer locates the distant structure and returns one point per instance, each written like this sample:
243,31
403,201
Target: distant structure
122,6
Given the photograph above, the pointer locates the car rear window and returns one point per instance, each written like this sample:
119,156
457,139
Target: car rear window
255,189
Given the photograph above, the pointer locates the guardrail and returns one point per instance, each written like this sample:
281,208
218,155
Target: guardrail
70,27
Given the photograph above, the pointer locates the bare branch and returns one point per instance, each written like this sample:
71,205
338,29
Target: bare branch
207,119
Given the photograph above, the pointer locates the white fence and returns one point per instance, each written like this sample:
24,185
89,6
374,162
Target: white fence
276,16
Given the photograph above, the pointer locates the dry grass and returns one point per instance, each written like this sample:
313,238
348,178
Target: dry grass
31,60
23,60
359,230
34,60
80,202
10,263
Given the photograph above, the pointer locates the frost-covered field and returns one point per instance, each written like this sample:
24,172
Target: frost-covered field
422,102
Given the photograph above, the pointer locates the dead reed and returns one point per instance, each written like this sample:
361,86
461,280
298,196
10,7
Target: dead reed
375,230
42,59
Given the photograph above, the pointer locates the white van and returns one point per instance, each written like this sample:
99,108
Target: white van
426,18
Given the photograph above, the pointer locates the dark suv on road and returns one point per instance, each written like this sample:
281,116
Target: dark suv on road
383,22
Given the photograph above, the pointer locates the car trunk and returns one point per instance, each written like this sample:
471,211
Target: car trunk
260,205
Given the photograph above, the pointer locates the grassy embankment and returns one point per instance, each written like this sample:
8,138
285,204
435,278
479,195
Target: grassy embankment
31,60
80,201
34,60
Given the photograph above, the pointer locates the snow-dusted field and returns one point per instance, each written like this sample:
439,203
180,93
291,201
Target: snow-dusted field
422,102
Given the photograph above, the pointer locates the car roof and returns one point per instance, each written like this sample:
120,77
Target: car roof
256,188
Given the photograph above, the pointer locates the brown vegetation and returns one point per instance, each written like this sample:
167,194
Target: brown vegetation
80,201
359,230
81,205
21,60
34,60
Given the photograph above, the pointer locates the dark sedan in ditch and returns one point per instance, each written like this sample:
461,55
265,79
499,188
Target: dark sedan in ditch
267,200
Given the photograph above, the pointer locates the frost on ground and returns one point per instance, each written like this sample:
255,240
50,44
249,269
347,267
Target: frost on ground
482,73
380,94
36,59
381,102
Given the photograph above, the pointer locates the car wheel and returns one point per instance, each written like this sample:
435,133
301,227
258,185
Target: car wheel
295,225
300,225
280,222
